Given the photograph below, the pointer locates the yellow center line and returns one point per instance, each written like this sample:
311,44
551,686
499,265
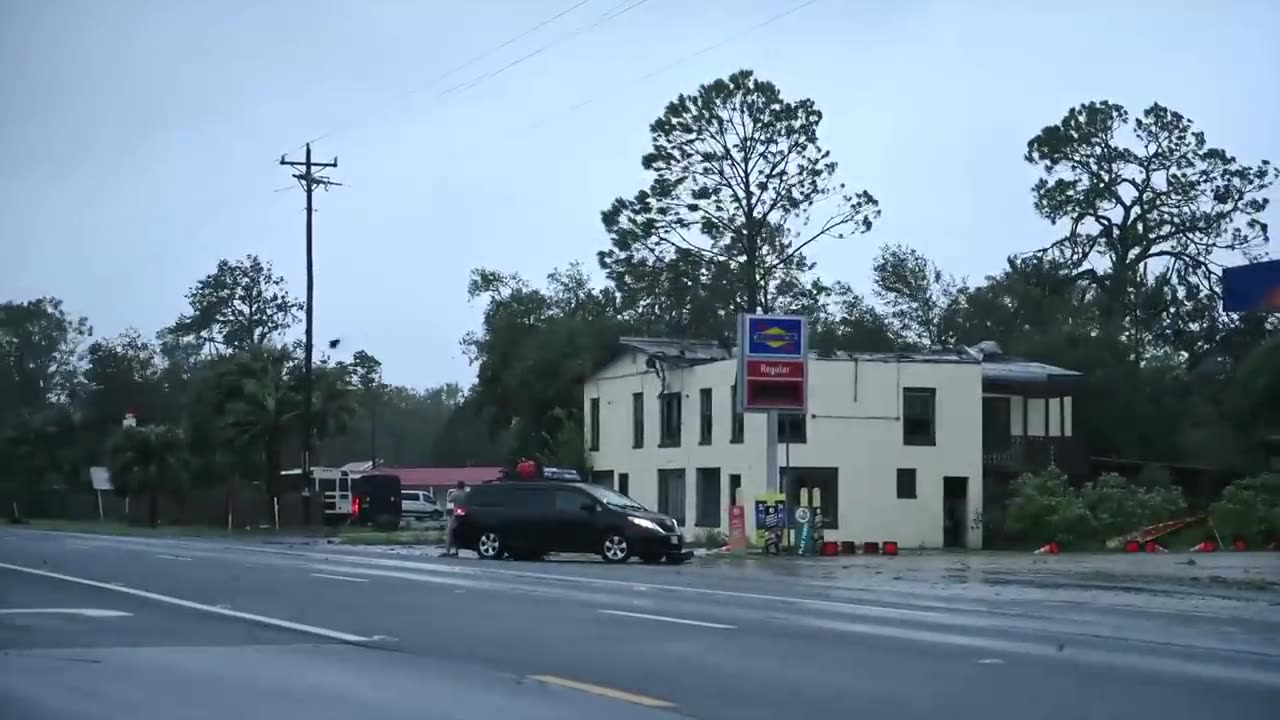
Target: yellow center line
603,691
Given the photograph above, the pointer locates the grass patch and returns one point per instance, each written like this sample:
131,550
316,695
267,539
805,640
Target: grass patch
96,527
398,537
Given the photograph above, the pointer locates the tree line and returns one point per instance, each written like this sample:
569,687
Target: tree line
217,396
1142,210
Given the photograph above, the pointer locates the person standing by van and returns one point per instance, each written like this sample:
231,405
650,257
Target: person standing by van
451,543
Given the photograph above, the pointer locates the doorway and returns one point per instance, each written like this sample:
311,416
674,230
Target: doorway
955,511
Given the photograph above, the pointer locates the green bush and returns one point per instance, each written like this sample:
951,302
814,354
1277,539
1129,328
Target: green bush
1249,509
1043,506
711,538
1117,506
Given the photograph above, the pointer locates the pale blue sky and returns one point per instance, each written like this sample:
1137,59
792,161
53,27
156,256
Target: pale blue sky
140,137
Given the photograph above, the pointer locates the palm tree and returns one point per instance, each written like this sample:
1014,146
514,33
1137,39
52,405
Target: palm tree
254,400
334,400
149,461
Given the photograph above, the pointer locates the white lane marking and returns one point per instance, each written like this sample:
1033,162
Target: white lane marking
84,612
664,618
339,577
990,661
172,557
250,617
1233,673
417,577
78,546
857,608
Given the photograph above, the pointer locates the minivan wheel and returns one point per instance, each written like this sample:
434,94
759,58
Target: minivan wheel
489,546
616,549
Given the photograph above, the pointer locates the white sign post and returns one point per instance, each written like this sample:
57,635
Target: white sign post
100,477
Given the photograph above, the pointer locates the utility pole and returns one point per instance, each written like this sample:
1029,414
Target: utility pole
305,174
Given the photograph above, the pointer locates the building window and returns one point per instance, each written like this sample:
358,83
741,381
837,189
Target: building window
919,411
705,418
707,498
603,478
735,489
671,494
669,409
792,428
997,423
637,420
595,424
624,484
906,483
824,480
736,431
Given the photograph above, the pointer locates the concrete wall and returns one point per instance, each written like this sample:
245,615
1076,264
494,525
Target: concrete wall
854,425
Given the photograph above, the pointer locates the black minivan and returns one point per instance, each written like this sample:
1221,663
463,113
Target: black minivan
528,519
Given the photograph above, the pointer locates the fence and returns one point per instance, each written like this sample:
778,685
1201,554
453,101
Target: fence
250,506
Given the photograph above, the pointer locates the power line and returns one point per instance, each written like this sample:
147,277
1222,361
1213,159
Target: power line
733,37
613,12
480,56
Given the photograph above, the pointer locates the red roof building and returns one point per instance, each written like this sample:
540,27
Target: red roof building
432,477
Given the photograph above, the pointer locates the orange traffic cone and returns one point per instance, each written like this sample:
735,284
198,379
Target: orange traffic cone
1205,546
1049,549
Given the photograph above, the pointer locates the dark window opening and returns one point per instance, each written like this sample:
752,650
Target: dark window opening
669,411
624,483
997,427
637,420
919,416
739,421
603,478
825,480
906,483
792,428
595,424
707,498
735,489
704,416
671,493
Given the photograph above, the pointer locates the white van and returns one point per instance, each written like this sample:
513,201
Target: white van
419,505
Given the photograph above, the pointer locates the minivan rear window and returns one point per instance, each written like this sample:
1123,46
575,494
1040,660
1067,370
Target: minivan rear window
481,496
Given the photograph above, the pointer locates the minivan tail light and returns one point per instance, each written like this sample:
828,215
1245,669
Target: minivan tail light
355,506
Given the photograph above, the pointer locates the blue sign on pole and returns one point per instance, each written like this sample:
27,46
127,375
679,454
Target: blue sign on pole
781,336
1252,288
772,363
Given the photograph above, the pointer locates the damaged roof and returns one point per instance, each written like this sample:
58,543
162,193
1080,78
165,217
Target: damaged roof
995,364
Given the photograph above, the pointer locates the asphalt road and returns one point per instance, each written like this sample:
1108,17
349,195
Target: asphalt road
213,629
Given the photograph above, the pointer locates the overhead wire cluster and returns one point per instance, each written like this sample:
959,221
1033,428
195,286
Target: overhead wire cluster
612,13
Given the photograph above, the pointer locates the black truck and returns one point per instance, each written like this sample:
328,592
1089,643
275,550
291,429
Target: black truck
375,500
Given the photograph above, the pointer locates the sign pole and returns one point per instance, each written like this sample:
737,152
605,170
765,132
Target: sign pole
773,353
771,479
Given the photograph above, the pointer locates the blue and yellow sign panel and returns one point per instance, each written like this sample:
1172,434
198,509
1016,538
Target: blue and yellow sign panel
1252,288
780,336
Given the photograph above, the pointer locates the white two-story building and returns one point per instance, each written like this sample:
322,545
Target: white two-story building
895,441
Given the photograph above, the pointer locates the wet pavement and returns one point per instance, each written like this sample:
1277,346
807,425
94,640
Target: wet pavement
997,635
